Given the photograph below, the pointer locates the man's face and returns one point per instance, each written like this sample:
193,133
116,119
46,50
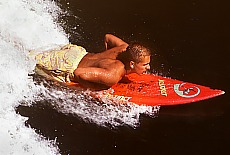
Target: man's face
143,66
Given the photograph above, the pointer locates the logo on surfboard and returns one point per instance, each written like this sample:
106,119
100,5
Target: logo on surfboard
162,87
186,91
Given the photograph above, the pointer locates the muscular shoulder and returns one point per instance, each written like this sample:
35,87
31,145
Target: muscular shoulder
114,66
118,68
110,64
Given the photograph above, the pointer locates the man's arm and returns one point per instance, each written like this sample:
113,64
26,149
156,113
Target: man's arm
113,41
107,77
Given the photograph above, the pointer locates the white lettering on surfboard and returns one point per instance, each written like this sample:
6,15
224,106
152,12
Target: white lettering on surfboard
117,97
162,88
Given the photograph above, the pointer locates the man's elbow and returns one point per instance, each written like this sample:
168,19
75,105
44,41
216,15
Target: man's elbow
113,82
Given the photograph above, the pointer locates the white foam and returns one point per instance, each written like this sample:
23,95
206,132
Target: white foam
24,24
106,112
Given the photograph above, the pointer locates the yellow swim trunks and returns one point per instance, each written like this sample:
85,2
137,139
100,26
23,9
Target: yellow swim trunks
60,64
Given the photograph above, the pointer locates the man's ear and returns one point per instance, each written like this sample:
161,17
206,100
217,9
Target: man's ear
131,64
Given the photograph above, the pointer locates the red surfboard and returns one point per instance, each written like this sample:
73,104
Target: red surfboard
153,90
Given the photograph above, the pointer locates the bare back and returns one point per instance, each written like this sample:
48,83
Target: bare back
102,69
96,60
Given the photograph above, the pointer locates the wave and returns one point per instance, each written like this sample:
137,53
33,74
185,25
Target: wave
24,24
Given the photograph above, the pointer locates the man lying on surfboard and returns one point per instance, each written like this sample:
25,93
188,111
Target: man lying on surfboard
97,71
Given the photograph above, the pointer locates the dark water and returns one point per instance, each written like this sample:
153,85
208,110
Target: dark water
191,41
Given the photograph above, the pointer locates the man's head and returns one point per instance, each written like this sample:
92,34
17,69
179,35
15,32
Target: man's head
136,58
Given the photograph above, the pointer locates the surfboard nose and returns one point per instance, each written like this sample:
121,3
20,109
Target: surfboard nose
222,92
219,92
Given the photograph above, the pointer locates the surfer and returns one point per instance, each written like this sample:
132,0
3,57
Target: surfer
94,70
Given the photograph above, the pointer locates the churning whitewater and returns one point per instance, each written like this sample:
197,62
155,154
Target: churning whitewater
24,24
33,24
